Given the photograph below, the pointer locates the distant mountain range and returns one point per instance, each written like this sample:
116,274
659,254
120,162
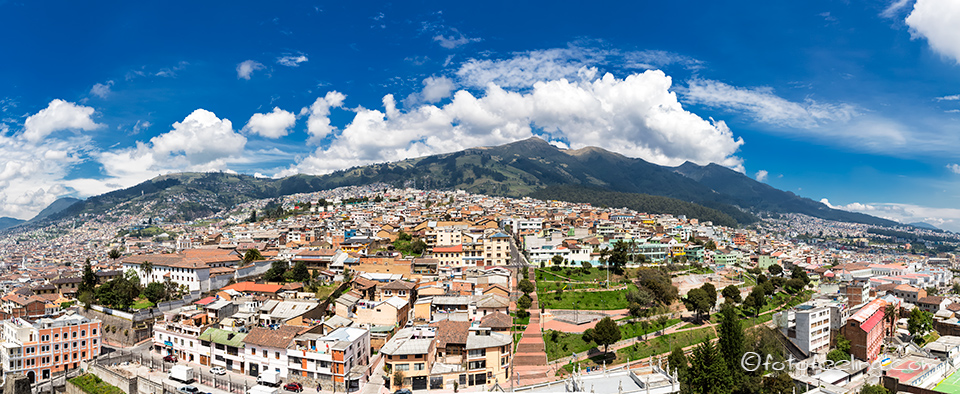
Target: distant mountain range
927,226
55,207
517,169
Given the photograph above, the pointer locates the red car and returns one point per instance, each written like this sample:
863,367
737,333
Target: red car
293,386
170,358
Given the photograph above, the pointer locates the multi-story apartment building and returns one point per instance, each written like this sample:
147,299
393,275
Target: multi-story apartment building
266,349
330,358
411,351
865,330
178,334
496,249
42,348
807,326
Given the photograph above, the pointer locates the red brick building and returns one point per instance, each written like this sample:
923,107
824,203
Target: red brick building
865,330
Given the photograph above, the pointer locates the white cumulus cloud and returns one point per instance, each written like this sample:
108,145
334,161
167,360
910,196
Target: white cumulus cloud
454,39
247,67
954,168
274,124
762,176
765,106
318,120
291,60
938,21
201,142
637,116
101,90
59,115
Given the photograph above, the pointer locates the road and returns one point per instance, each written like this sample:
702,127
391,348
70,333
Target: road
151,359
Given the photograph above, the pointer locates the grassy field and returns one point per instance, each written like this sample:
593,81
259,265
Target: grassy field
563,344
142,304
567,343
644,349
596,300
324,291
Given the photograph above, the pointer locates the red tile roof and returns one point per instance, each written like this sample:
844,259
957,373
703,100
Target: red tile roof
248,287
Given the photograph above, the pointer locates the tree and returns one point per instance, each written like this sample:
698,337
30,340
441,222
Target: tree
276,271
644,326
697,301
586,266
731,293
843,344
874,389
524,303
88,281
731,338
253,216
933,291
170,289
920,322
402,236
799,273
794,286
677,362
755,300
891,314
300,272
154,292
708,373
778,383
775,270
526,286
662,322
618,256
956,288
147,268
710,245
711,291
398,379
640,296
252,255
606,333
114,254
659,284
86,297
556,260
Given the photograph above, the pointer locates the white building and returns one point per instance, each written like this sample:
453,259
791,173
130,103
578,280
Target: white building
807,326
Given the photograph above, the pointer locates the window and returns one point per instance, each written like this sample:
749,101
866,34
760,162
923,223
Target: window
478,364
83,333
264,354
56,336
418,367
56,346
277,355
93,331
253,351
403,356
74,334
402,367
477,353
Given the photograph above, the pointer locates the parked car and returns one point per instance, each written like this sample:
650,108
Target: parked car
403,391
188,389
218,371
293,386
170,358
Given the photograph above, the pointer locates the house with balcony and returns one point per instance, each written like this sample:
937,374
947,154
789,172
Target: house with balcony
328,359
265,349
224,348
178,334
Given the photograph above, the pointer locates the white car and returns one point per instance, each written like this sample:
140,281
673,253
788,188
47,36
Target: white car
218,371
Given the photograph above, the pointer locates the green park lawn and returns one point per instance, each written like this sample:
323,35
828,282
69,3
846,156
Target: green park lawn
595,300
568,343
142,303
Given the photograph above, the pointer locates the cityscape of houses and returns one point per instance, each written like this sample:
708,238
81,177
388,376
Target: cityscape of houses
374,288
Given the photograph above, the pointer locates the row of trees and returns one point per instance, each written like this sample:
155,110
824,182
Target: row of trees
121,292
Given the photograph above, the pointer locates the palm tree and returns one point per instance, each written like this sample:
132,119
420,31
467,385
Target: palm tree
890,313
147,268
114,254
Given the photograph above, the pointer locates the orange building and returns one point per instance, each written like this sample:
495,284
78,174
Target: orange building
42,348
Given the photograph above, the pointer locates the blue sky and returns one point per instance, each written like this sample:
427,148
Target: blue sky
855,102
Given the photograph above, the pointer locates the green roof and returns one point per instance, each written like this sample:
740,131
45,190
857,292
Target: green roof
223,337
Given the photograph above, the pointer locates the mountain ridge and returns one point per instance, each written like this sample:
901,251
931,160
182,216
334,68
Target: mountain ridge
516,169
